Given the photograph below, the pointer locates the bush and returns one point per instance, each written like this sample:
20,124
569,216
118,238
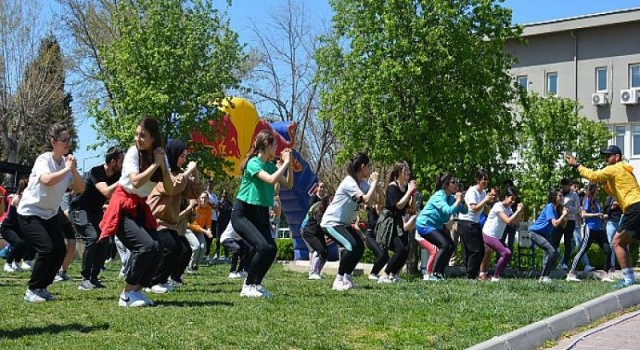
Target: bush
285,249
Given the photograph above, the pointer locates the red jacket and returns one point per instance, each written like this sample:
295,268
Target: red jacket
124,202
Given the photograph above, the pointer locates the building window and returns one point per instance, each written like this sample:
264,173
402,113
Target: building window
636,140
619,136
634,75
552,83
523,82
601,79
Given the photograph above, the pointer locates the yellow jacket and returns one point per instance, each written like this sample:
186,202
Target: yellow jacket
618,180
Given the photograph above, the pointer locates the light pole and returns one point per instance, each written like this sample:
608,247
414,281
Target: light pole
85,159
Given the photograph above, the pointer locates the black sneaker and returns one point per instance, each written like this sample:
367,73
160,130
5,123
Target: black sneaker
97,283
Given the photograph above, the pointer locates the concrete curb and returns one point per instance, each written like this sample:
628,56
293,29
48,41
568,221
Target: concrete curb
534,335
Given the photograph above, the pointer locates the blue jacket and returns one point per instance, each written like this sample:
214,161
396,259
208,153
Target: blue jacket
438,211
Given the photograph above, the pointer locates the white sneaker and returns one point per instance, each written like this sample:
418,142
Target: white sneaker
234,275
315,276
8,268
260,288
385,279
607,278
25,265
589,268
144,297
573,278
131,299
339,285
426,277
16,267
250,291
495,279
348,281
34,296
373,277
158,289
545,279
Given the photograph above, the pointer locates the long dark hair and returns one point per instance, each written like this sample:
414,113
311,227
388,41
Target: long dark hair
322,205
397,170
174,150
443,178
151,125
592,187
356,163
263,139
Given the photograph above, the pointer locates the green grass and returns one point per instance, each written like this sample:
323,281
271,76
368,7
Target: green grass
208,313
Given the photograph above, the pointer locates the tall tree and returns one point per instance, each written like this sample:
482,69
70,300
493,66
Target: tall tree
550,129
32,91
283,82
424,81
171,59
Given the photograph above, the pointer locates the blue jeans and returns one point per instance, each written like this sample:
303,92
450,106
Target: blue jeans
612,228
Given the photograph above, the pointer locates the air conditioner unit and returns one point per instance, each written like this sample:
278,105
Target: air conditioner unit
629,96
600,99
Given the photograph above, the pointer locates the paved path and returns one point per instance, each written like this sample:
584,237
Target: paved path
621,333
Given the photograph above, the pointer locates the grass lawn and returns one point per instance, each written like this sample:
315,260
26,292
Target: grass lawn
207,313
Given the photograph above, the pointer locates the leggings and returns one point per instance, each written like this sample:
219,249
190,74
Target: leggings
400,247
433,251
315,241
382,257
501,249
550,253
198,247
590,236
251,222
349,239
441,239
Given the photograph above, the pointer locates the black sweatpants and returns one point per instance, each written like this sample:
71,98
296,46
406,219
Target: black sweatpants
251,222
172,253
46,237
18,243
95,251
471,234
146,249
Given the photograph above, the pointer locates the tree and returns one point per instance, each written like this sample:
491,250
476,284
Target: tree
283,79
32,94
424,81
171,59
551,128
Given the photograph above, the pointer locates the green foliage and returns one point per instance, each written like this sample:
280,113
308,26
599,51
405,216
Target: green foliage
424,81
285,249
173,60
301,314
551,129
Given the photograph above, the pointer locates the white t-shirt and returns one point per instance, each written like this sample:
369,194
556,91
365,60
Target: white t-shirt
229,232
213,200
572,202
473,196
343,208
131,164
38,199
494,226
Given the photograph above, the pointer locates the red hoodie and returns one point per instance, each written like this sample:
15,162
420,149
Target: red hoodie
124,202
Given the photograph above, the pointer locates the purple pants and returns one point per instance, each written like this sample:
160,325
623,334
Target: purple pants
501,249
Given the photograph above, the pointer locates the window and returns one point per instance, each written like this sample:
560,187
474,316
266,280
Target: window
552,83
601,79
634,75
636,140
523,82
619,136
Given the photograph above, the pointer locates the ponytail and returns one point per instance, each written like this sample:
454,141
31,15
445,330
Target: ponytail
263,139
356,163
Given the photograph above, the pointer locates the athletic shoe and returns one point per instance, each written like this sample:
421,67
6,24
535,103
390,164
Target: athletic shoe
395,278
160,288
315,276
61,276
250,291
44,292
260,288
25,265
86,285
97,283
175,282
234,275
374,277
16,267
589,268
431,278
339,285
348,281
623,283
495,279
573,278
564,267
34,296
545,279
385,279
8,268
131,299
483,276
607,278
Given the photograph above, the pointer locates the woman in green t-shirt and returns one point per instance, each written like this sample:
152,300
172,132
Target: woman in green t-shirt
250,215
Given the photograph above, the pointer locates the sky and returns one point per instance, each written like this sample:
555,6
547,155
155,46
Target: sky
243,12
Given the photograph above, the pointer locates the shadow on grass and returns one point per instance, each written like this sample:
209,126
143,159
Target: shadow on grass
192,303
51,329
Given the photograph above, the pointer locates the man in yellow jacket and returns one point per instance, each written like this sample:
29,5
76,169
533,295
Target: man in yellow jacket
619,181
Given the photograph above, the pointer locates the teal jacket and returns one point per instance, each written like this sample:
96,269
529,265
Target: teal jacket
438,210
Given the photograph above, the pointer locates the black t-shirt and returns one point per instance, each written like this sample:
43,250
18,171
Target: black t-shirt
372,218
393,196
91,199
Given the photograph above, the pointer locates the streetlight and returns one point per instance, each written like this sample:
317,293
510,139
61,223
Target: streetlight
84,160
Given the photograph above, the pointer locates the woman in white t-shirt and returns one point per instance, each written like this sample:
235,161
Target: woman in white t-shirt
52,174
499,217
337,219
129,216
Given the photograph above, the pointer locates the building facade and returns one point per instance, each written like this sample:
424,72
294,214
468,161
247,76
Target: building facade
594,59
